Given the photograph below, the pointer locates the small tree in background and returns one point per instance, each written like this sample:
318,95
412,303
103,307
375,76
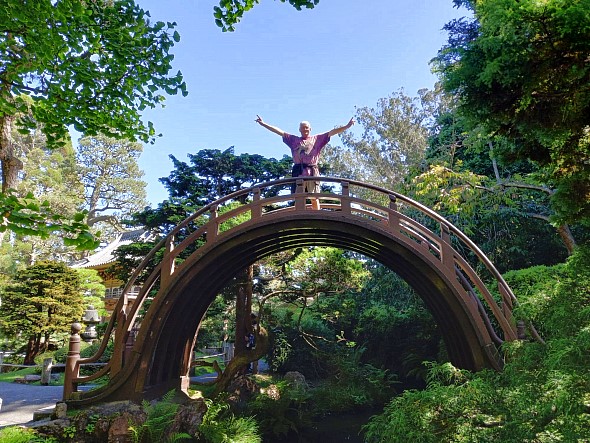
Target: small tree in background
42,300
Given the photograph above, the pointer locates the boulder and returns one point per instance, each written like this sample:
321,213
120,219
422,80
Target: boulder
296,380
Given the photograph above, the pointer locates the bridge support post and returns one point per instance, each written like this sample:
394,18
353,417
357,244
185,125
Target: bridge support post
72,368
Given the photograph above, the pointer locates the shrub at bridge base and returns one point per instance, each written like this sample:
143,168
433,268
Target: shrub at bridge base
543,393
125,421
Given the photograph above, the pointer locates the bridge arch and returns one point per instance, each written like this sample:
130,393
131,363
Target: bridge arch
377,225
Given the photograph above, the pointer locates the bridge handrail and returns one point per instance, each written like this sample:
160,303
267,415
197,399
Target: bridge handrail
122,321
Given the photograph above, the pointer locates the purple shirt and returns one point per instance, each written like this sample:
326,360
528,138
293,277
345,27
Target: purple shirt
307,150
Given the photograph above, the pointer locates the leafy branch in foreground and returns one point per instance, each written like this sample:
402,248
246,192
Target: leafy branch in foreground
230,12
29,216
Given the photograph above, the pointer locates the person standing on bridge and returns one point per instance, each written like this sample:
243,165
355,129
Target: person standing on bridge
305,151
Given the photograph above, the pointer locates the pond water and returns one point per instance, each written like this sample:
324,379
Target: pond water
334,428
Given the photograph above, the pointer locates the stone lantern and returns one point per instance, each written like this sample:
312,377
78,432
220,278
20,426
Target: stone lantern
90,319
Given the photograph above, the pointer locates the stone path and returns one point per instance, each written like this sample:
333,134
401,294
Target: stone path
21,401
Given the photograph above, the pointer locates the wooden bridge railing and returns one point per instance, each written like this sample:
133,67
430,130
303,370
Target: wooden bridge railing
403,217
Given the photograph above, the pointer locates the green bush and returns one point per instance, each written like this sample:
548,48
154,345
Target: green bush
543,393
16,434
281,409
90,350
352,384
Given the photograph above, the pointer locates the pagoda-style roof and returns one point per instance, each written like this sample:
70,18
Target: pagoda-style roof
106,255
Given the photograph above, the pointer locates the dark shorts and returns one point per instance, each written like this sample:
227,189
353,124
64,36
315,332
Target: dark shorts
308,186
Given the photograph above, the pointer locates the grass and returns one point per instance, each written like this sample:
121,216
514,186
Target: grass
10,377
13,375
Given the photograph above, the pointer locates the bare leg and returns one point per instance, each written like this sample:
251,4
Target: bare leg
314,186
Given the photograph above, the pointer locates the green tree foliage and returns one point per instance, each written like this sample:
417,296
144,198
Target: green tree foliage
112,179
543,393
213,174
91,285
41,300
30,216
51,175
504,206
230,12
94,65
393,142
520,70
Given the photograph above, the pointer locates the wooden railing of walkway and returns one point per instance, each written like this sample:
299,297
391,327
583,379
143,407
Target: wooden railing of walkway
408,220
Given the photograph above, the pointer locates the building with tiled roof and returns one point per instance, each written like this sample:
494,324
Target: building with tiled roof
103,262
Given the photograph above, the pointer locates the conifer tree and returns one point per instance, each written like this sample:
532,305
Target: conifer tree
42,300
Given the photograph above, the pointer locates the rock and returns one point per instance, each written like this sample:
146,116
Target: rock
119,428
240,390
110,422
30,378
296,380
51,428
61,410
272,391
189,417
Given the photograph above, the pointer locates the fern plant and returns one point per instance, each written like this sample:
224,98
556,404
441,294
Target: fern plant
160,416
220,425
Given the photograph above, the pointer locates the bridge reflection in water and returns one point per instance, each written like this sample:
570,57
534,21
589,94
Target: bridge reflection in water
202,254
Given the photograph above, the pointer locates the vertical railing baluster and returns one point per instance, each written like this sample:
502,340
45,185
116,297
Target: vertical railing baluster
393,214
256,211
72,369
299,197
213,227
345,200
167,263
447,255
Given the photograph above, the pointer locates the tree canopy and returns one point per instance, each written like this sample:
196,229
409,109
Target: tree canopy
111,177
520,70
94,66
230,12
42,299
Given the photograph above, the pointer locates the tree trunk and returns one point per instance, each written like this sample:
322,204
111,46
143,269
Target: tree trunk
564,233
243,309
236,365
30,352
10,164
567,238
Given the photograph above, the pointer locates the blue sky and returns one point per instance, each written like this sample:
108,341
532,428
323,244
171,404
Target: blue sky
286,65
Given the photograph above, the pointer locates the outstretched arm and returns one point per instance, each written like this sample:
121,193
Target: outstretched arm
269,127
341,129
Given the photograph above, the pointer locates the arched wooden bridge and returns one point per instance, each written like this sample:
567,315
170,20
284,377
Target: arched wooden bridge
153,354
